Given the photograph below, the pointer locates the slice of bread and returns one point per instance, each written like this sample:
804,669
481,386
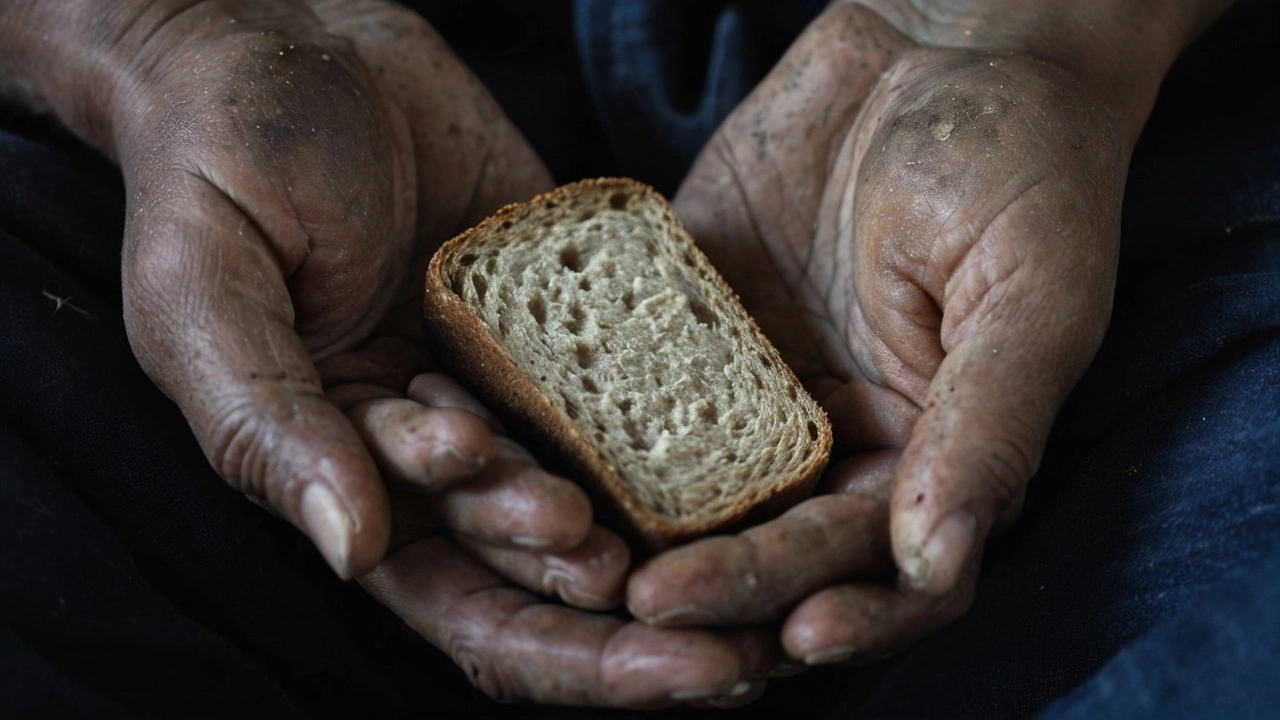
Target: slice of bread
588,320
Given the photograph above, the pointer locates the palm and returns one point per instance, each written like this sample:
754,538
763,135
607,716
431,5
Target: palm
864,220
456,159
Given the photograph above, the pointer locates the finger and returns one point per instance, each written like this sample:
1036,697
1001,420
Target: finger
211,321
592,575
758,647
869,474
986,419
516,505
508,449
756,576
421,447
515,648
744,693
441,391
865,622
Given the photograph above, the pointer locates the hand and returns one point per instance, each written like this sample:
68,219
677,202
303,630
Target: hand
290,168
458,556
929,235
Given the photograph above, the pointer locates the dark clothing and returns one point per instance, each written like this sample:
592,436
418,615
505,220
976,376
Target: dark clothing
1143,579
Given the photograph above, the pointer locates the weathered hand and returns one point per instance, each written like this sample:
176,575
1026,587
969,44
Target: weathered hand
456,588
290,167
929,235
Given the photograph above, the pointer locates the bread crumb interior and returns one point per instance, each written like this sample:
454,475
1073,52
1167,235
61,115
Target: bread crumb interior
626,332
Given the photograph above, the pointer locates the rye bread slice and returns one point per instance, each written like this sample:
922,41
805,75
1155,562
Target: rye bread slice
590,323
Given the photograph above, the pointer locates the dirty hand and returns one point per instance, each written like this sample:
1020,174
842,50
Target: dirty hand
921,208
290,166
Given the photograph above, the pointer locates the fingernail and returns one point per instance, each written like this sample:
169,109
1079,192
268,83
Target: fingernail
729,700
832,655
742,688
329,527
468,460
529,541
559,582
683,615
690,695
936,567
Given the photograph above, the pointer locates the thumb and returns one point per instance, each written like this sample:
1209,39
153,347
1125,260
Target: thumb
986,419
211,321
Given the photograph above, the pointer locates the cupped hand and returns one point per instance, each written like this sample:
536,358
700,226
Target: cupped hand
290,167
929,236
471,568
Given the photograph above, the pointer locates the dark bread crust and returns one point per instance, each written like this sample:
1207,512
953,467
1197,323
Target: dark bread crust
462,343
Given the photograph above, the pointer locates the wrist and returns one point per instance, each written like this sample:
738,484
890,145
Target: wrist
1120,50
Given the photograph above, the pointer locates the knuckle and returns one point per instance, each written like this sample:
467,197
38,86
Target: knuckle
1006,466
482,672
236,442
245,439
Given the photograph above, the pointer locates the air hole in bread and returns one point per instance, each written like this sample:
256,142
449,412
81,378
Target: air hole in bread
538,309
791,392
704,314
576,319
585,355
641,349
506,225
570,259
480,285
570,409
707,412
632,430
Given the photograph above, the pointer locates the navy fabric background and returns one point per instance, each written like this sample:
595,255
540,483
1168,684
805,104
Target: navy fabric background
1141,582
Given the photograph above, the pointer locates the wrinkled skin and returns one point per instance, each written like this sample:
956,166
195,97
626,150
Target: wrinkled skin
290,168
929,236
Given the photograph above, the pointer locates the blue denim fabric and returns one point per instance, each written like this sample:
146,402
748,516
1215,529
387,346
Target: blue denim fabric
663,74
1141,580
1161,480
1217,657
